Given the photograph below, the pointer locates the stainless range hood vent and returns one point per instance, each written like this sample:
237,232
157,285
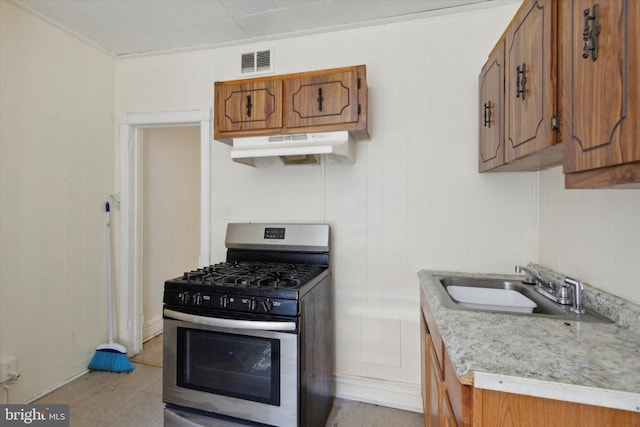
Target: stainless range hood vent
300,149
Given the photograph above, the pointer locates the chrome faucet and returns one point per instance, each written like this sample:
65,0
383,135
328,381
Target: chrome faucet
532,273
547,289
578,287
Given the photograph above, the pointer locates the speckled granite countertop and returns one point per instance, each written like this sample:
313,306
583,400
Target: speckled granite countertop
583,362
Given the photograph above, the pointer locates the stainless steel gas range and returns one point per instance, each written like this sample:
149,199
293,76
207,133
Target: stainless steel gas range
252,338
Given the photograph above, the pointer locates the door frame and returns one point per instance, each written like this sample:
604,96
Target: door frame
129,286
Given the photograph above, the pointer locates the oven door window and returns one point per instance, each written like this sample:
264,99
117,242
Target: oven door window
233,365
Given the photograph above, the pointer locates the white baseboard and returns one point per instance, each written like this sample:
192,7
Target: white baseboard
393,394
151,329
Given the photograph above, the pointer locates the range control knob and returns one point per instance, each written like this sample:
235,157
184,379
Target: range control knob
224,301
266,305
185,298
196,299
253,304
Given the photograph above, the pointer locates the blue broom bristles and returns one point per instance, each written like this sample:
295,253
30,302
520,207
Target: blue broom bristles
110,360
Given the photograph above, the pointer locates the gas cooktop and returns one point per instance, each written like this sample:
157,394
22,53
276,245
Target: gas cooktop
253,274
269,268
248,286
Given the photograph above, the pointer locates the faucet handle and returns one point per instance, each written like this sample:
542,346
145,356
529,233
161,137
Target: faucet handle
552,286
563,295
578,287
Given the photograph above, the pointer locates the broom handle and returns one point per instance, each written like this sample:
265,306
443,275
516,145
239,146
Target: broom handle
109,279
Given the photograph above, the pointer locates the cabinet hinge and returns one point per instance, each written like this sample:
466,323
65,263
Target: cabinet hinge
358,82
359,109
554,122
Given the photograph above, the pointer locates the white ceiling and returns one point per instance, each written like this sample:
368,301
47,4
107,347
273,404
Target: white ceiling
125,28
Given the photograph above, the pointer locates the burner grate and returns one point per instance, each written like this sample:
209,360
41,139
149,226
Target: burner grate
254,274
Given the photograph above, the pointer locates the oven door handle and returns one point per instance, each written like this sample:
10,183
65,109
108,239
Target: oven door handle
230,323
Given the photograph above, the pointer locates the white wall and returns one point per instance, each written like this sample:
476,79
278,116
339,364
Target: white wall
171,213
412,200
592,235
56,171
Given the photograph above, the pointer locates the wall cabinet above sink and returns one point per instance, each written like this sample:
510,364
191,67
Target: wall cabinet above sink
519,92
316,101
570,94
602,106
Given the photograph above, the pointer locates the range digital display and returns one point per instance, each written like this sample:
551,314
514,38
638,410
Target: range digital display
274,233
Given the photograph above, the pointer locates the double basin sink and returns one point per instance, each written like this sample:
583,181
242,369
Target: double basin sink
507,296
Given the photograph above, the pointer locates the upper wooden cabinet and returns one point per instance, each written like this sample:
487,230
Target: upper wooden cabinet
323,99
531,117
318,101
531,92
491,123
602,106
249,106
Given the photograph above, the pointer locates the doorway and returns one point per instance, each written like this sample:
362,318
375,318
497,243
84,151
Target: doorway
170,213
129,287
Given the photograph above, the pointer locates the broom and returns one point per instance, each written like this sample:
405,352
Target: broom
110,356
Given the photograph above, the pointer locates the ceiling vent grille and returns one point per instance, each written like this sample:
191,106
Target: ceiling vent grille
258,62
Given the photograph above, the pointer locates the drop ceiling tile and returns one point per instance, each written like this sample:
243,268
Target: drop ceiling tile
79,22
306,16
443,4
197,11
351,11
283,4
47,4
248,7
402,7
209,33
264,24
126,26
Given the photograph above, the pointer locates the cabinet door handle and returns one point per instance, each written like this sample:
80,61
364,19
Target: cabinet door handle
487,114
249,106
521,81
320,99
590,35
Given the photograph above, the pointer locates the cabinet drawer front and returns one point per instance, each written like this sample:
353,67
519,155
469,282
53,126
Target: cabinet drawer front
322,99
249,106
601,106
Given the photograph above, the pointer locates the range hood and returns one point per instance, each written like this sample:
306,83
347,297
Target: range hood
301,149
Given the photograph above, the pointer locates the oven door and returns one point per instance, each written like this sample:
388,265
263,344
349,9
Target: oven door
238,368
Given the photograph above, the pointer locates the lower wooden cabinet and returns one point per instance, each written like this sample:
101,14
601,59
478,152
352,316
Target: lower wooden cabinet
438,405
452,402
494,408
435,387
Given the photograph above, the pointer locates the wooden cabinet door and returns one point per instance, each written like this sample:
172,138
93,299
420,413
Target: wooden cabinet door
425,342
448,418
530,79
601,108
254,105
323,99
435,387
491,124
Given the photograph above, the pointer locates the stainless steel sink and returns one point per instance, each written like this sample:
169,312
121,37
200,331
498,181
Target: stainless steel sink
545,307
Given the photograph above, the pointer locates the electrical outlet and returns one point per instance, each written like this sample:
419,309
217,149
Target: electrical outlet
8,368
